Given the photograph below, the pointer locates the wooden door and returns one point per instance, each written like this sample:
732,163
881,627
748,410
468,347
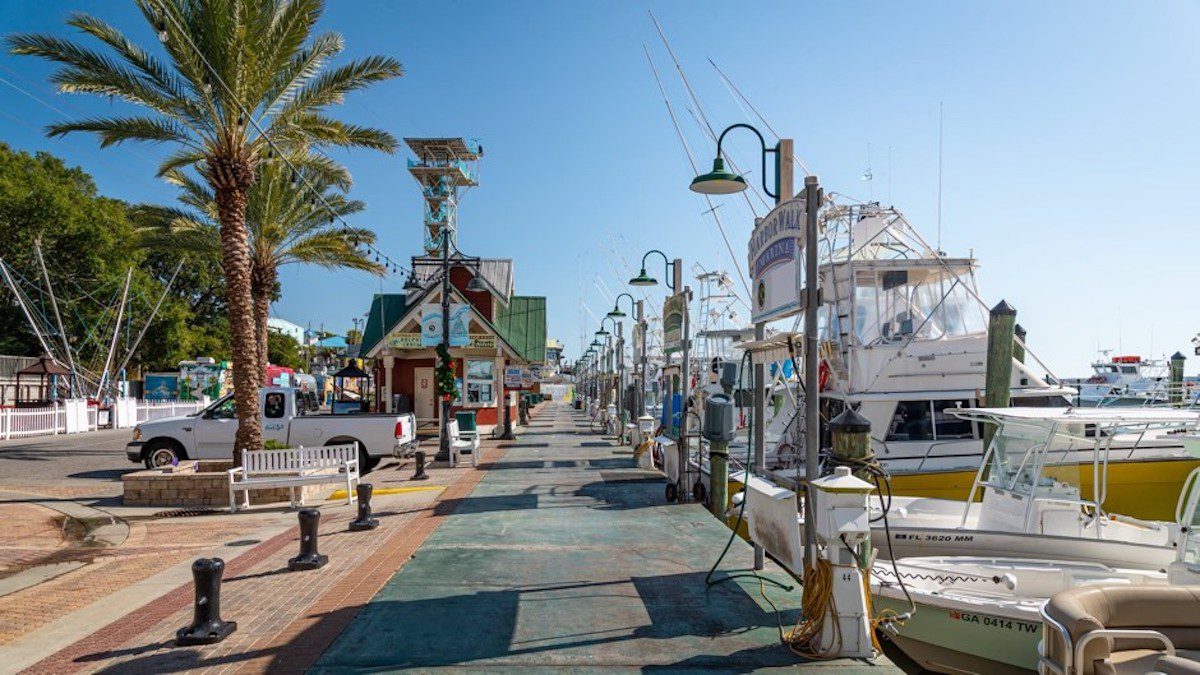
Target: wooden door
423,393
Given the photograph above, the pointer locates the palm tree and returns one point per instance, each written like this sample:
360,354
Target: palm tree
237,73
287,223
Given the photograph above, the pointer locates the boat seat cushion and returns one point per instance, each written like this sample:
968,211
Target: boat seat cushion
1171,610
1141,661
1178,665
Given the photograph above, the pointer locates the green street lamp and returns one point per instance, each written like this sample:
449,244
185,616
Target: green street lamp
720,181
616,312
596,344
644,279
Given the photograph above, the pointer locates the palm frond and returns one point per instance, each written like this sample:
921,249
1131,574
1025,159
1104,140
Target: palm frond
330,249
114,130
181,158
331,86
324,130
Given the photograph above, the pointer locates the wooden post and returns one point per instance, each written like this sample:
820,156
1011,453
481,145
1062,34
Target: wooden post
1176,390
851,434
718,455
1019,344
1002,322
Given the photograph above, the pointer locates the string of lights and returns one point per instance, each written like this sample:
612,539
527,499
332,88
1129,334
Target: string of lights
273,151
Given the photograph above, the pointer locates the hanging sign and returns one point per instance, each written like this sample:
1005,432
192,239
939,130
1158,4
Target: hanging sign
774,256
512,377
526,378
673,311
431,324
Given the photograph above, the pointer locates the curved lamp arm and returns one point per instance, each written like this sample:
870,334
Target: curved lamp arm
667,264
765,152
632,302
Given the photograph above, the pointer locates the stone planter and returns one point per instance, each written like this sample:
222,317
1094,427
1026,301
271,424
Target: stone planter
201,483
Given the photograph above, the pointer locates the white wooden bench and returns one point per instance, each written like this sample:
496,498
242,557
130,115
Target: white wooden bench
293,468
461,442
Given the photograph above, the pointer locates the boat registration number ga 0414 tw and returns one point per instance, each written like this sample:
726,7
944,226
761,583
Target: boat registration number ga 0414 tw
994,621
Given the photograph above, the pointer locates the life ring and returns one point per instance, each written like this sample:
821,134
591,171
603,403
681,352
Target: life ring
823,375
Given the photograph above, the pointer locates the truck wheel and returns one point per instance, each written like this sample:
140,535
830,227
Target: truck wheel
366,463
162,453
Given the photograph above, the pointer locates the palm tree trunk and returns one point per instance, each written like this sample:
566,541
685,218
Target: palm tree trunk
231,179
262,287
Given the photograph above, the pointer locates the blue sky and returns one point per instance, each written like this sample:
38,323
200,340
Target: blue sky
1069,161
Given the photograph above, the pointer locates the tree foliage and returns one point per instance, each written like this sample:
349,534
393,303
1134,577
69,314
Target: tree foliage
283,350
89,242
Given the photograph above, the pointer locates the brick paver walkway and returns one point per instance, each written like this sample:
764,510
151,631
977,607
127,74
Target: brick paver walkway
274,608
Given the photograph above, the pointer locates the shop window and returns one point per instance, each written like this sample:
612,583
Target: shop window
481,381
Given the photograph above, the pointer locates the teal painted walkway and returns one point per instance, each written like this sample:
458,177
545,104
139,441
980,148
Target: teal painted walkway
566,557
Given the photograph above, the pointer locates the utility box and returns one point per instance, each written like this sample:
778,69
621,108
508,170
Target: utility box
718,419
840,509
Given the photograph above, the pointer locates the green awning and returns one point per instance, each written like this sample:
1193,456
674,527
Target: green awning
523,325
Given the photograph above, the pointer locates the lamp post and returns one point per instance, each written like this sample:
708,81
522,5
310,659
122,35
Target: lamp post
475,285
595,397
719,181
675,283
616,313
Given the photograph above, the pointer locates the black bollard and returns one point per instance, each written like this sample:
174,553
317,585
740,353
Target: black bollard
207,627
364,520
309,558
420,459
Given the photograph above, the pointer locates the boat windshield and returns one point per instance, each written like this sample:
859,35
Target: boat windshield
1031,457
919,304
1064,458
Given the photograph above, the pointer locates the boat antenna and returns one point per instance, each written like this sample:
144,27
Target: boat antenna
889,175
939,194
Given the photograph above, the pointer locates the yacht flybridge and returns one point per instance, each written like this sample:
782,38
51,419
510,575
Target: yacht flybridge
903,341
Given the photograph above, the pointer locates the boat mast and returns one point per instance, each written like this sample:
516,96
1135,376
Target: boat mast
37,249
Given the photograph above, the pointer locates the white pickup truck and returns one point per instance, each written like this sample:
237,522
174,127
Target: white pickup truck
209,434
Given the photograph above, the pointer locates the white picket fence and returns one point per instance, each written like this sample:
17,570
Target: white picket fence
77,416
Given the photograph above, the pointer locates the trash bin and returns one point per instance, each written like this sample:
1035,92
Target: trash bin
466,421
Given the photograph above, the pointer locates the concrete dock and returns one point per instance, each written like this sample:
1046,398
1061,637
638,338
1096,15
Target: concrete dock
567,556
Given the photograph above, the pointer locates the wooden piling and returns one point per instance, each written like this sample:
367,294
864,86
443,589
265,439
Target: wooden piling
1002,322
1176,390
1019,344
851,434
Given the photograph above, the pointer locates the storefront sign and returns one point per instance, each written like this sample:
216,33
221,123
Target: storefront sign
526,378
774,256
512,377
415,341
673,311
431,324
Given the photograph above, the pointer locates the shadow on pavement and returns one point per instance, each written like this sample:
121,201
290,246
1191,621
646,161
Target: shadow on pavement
428,632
